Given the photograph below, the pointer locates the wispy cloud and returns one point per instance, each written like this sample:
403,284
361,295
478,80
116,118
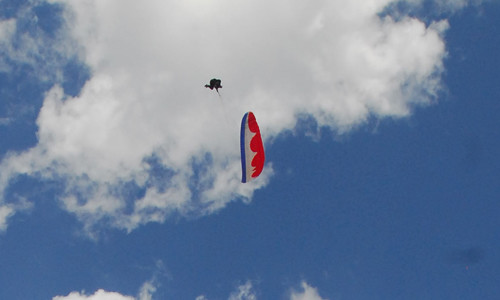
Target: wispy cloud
244,292
6,211
7,30
147,291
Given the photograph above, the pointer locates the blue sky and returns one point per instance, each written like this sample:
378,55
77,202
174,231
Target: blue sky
119,172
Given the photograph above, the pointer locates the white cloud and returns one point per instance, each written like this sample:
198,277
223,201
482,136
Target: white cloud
7,29
243,292
144,139
98,295
307,293
29,44
145,293
6,211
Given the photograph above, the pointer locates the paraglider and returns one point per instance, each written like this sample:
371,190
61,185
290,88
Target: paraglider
214,84
252,148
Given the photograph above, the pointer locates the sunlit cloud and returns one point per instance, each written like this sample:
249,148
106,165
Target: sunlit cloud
144,140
